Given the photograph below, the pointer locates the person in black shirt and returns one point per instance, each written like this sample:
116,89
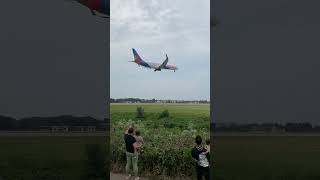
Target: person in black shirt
201,155
132,158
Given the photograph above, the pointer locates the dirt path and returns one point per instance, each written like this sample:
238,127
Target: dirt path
121,177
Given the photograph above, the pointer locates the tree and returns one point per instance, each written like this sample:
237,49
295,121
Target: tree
164,114
7,123
140,112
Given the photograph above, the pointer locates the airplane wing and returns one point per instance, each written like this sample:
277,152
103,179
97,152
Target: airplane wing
153,65
164,63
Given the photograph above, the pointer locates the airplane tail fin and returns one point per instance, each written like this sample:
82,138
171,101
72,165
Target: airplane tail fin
136,56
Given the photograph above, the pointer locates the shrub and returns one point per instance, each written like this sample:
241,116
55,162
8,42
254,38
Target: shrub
168,124
165,152
164,114
140,112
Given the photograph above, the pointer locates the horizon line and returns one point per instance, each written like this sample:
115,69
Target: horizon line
162,99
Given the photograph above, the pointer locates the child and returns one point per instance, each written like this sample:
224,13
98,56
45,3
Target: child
198,153
207,146
139,140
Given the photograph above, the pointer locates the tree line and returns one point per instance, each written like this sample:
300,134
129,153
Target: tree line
138,100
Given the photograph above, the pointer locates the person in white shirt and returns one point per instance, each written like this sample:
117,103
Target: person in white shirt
201,158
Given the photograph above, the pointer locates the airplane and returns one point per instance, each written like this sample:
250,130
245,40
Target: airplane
156,66
100,6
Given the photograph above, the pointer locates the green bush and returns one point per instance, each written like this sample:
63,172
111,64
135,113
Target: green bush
168,141
165,152
140,112
168,124
164,114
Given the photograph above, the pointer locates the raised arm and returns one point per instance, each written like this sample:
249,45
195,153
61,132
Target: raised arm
130,126
126,132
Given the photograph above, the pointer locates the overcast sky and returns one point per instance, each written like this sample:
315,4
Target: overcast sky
267,61
54,59
154,28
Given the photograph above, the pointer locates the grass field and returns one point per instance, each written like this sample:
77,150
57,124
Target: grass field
45,157
168,140
181,109
267,158
182,115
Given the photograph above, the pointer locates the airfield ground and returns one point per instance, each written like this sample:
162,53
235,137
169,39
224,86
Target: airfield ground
43,157
181,115
267,157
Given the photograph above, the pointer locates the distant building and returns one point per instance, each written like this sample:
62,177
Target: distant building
103,126
59,128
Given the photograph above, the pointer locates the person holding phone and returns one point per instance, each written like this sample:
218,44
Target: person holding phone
132,157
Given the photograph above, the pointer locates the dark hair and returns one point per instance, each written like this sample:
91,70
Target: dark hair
198,139
208,141
130,130
137,133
